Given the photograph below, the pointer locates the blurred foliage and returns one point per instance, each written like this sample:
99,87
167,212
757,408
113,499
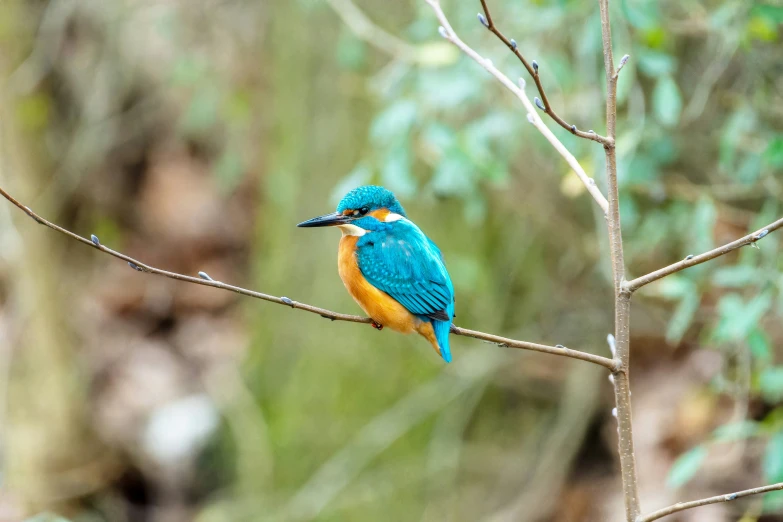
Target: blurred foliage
284,101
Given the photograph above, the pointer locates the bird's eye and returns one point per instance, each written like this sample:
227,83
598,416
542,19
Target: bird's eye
364,210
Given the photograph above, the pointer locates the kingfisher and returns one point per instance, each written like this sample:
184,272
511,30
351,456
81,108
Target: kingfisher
391,269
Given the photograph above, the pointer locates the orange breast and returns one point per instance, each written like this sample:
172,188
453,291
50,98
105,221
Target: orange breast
381,307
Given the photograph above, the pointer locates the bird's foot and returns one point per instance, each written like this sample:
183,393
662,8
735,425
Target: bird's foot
377,326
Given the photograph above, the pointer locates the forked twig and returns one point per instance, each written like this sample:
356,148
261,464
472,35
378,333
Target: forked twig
533,70
447,32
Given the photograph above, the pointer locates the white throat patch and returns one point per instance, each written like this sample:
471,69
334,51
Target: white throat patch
351,230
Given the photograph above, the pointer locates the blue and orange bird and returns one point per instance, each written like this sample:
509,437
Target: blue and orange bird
390,268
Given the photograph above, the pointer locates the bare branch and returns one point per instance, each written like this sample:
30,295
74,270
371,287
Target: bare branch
532,69
622,299
554,350
448,33
635,284
682,506
205,280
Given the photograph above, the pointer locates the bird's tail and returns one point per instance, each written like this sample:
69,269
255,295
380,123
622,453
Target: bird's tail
442,329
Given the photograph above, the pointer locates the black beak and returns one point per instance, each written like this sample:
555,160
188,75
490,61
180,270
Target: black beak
329,220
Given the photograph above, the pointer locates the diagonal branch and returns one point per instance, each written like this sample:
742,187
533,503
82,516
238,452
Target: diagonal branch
533,71
635,284
554,350
205,280
682,506
447,32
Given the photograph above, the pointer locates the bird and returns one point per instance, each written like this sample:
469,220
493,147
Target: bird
393,271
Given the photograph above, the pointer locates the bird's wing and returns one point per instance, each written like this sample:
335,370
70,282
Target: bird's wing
405,264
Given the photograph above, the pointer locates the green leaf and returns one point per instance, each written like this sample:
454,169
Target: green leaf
229,169
655,64
237,108
452,87
481,140
675,287
34,111
738,318
686,466
667,102
351,51
453,175
588,42
741,122
773,13
761,28
773,502
629,212
772,463
771,384
396,171
641,14
475,209
494,125
773,156
736,431
643,171
702,226
760,346
734,276
749,169
202,111
394,122
683,317
438,138
722,17
626,82
664,149
188,70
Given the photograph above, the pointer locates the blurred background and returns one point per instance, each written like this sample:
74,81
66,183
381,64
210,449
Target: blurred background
194,135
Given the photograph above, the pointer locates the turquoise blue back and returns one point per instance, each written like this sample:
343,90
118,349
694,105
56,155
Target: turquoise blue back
400,260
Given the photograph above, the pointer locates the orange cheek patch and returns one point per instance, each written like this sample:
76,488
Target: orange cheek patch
380,214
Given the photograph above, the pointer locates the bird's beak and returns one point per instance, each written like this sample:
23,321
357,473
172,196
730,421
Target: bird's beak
329,220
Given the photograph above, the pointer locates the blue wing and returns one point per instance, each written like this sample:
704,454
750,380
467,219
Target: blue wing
404,263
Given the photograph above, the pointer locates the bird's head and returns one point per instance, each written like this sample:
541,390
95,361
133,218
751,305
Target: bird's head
361,210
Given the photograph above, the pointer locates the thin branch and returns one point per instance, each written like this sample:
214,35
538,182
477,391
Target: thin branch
205,280
534,73
622,301
623,61
682,506
635,284
554,350
447,32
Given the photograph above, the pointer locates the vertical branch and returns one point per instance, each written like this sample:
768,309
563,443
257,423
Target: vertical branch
622,391
622,397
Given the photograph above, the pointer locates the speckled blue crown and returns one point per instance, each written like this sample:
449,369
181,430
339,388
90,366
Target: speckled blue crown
372,197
